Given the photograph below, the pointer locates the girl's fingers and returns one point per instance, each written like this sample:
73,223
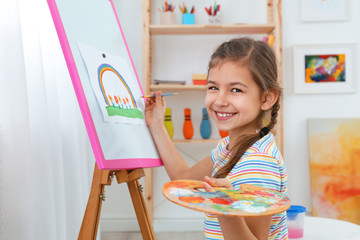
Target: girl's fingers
158,97
207,187
218,182
150,101
207,179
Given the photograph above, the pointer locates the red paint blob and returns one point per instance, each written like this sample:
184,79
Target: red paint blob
222,201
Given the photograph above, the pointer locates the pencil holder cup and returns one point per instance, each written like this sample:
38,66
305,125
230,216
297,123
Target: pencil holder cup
167,18
214,19
188,18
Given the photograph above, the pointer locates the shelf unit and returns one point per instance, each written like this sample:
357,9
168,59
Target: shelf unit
273,26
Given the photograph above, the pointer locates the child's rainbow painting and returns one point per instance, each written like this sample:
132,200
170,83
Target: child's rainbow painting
250,200
334,149
117,93
325,68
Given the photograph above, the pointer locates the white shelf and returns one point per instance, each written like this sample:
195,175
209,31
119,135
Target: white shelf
211,29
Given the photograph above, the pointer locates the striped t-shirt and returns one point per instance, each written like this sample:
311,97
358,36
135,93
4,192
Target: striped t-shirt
262,165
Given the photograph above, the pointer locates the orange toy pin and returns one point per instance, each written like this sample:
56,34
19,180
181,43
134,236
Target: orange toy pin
188,129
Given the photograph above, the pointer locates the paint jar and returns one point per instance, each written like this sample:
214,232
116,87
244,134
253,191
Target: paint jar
295,221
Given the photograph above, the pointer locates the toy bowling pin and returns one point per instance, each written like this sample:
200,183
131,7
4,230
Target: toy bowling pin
168,123
205,127
188,129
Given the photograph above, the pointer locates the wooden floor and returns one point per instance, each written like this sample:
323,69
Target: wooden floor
158,236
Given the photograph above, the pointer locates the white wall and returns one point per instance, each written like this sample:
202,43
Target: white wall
299,108
190,54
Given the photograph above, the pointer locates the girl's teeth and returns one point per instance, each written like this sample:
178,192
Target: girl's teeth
224,114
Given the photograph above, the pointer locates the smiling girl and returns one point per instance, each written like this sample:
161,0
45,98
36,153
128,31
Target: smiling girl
242,94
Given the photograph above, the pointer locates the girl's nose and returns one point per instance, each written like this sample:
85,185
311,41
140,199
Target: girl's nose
221,100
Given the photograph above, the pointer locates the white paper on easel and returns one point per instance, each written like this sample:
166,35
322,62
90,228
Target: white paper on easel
116,89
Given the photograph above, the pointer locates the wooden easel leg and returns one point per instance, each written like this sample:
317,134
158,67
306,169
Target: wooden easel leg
89,226
140,209
101,178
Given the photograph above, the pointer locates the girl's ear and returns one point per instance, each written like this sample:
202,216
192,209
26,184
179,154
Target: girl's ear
269,98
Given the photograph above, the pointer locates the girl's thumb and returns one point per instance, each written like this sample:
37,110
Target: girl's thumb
218,182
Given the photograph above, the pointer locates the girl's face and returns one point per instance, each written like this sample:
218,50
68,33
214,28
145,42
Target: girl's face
233,99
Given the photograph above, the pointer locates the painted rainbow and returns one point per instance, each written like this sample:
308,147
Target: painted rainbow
106,67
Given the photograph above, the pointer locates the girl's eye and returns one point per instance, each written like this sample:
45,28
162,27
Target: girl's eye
212,88
236,90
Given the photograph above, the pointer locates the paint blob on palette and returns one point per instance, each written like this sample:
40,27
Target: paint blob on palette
250,200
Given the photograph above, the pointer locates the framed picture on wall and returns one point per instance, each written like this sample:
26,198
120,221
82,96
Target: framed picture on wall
325,10
333,159
324,68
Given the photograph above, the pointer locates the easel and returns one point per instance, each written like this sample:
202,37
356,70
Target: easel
90,223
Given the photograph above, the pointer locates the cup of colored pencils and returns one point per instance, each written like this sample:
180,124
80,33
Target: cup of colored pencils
167,15
213,13
188,16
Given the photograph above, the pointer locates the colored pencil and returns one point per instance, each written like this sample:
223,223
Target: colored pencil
213,11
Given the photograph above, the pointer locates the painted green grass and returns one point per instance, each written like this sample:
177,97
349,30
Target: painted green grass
131,113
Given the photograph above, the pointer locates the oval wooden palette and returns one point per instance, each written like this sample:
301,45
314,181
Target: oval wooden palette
251,200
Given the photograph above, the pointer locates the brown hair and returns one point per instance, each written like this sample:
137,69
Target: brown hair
260,59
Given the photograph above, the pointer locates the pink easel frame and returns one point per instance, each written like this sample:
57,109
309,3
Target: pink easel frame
112,164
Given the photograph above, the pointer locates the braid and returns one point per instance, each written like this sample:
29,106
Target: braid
274,114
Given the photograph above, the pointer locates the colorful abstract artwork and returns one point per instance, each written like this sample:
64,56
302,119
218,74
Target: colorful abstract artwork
115,87
334,150
251,200
324,68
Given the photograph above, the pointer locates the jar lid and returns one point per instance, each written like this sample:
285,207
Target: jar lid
294,210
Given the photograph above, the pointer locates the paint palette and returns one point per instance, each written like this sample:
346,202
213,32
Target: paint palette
250,200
